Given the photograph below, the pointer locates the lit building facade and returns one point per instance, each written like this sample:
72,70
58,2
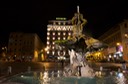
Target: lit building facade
25,46
59,29
117,39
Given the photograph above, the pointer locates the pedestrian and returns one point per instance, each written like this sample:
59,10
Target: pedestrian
9,70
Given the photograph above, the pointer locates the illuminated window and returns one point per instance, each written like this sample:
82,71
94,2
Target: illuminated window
48,29
47,52
69,33
53,47
53,33
53,52
53,38
53,43
48,33
48,38
47,42
64,33
58,38
58,33
64,38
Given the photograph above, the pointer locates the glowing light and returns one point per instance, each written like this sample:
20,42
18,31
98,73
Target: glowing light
60,18
48,29
60,28
47,52
58,38
120,54
53,52
110,56
114,55
126,35
22,76
120,75
47,48
64,38
48,33
48,42
69,33
53,43
53,33
118,44
48,38
53,38
58,33
53,47
42,57
64,33
35,55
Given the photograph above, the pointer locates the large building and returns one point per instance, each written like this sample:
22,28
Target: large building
25,46
117,39
58,29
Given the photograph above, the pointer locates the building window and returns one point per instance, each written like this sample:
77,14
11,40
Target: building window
47,42
58,38
53,33
53,43
48,29
48,33
48,38
64,38
53,52
58,33
53,47
53,38
64,33
69,34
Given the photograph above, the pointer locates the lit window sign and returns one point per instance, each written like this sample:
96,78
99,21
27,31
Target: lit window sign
60,18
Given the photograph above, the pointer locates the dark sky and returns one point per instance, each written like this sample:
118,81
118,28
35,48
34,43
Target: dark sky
33,15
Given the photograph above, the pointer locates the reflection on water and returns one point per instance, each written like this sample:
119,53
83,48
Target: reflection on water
57,77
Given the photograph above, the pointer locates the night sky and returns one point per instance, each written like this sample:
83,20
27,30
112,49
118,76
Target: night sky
33,16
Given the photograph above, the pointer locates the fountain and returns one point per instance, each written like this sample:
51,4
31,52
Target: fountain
79,44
